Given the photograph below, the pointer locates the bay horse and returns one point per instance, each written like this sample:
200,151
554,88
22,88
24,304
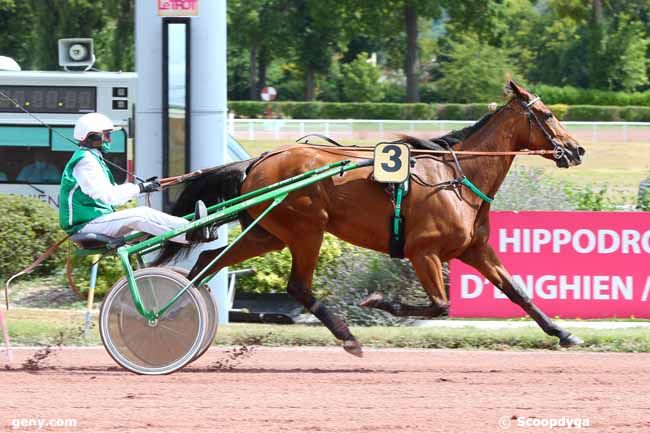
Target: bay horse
443,221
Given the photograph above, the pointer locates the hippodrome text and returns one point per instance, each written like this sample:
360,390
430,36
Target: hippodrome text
573,264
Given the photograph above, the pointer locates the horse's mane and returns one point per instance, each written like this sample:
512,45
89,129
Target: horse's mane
448,140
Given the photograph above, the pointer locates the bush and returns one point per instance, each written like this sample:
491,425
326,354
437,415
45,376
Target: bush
589,112
361,80
643,198
29,227
272,270
574,96
422,111
559,110
109,271
589,198
358,273
530,189
394,92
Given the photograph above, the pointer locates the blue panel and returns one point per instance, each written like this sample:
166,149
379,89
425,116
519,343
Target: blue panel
60,144
24,136
235,150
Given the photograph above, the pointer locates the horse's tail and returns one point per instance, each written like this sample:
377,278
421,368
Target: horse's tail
215,186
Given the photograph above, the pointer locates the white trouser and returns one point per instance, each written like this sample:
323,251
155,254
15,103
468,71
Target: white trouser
139,219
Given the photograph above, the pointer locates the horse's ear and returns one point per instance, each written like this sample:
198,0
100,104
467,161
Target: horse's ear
518,90
507,89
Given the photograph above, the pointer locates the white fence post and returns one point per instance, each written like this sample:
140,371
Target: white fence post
594,132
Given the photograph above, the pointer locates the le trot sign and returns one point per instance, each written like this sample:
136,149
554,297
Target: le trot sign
572,264
178,8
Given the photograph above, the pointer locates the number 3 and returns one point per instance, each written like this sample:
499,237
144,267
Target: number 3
394,158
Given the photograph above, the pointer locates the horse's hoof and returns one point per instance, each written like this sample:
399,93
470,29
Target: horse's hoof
372,300
353,347
570,341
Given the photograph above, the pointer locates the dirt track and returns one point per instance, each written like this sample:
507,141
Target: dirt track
300,390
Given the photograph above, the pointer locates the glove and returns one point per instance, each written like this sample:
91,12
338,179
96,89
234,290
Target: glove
152,186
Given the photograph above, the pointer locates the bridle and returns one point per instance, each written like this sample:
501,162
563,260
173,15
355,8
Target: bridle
558,151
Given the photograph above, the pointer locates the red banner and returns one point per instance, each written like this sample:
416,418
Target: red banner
572,264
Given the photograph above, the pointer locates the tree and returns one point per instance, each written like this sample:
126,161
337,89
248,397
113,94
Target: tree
361,80
16,22
260,28
626,51
57,19
245,29
473,71
123,43
321,28
404,14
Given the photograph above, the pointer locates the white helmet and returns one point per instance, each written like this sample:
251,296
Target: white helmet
92,122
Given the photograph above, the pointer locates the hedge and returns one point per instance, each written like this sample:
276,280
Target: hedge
574,96
29,227
421,111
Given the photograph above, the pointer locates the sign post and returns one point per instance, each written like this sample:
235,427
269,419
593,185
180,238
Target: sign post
268,94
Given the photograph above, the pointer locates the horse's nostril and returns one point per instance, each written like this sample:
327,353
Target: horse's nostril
581,150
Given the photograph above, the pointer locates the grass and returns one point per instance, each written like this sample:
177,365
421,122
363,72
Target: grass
621,166
41,327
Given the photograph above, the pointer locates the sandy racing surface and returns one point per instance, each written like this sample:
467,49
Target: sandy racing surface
324,389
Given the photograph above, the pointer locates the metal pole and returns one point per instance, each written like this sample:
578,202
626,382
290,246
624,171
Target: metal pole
5,335
91,295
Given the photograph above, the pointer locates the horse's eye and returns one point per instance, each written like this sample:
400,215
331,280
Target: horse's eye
548,115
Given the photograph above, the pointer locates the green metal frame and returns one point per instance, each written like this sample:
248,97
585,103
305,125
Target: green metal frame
221,212
275,193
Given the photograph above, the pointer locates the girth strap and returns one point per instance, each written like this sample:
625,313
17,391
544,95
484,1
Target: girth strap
397,222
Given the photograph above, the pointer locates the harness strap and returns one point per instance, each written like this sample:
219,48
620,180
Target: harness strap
25,271
396,241
321,136
465,181
33,266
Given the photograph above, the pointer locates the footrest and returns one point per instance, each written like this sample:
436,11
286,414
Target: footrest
95,241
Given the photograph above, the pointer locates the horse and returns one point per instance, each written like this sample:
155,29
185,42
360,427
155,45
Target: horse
444,220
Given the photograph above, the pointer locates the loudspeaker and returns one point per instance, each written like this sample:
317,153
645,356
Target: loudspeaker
76,52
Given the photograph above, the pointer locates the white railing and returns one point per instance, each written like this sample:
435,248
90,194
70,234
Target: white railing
351,130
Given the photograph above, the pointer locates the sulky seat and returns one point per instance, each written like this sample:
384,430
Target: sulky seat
95,241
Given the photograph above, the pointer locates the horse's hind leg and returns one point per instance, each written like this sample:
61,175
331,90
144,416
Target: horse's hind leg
304,254
484,259
429,271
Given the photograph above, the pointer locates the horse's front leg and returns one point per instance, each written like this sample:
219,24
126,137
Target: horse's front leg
484,259
428,268
304,257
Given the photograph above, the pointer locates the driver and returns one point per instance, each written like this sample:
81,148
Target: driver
89,193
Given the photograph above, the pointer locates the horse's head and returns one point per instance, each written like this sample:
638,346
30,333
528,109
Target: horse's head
544,130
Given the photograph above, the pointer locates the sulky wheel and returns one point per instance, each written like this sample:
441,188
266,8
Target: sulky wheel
213,314
153,347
